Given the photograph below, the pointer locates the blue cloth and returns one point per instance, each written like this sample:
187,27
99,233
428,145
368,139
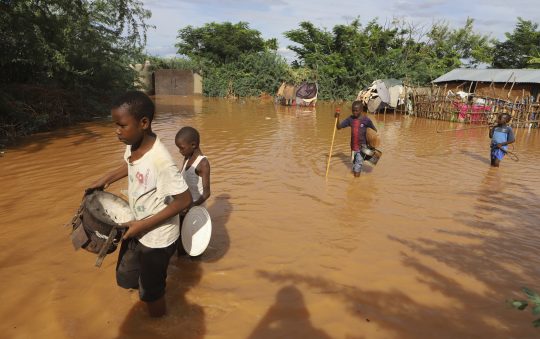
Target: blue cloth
499,135
497,153
502,134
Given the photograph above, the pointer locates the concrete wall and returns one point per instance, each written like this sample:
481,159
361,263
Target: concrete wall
177,82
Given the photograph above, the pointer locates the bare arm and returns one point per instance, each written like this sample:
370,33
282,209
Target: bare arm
111,177
203,170
180,202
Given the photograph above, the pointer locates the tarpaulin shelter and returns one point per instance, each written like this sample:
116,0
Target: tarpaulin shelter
304,94
382,93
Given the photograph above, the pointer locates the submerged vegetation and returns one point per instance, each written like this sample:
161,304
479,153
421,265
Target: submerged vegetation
62,61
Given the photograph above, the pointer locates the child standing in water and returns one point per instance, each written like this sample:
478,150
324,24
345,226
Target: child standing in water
196,169
359,123
157,193
501,136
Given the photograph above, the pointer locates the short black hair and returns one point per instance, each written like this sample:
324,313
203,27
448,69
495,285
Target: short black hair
506,117
189,134
139,104
361,104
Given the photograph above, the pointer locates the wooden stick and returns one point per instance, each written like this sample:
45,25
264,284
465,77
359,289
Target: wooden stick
510,77
492,88
511,87
332,144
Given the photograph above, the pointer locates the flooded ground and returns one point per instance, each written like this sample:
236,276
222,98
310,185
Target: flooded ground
428,243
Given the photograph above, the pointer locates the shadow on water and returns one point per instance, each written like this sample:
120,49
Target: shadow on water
220,242
496,249
40,141
288,317
184,319
397,312
345,158
476,156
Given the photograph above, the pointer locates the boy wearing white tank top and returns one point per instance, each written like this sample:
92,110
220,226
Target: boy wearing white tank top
195,170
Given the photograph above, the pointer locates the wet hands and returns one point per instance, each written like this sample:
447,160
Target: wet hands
99,185
133,228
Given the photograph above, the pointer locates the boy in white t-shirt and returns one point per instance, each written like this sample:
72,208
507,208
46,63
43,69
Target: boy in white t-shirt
157,193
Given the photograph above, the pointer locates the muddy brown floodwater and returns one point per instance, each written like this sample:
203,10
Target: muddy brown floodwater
430,243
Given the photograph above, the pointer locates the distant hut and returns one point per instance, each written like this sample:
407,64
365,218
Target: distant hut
304,94
506,84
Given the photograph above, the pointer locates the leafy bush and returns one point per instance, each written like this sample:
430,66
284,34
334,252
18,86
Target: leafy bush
62,60
534,301
251,75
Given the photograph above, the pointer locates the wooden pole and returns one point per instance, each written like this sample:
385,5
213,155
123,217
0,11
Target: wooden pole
443,104
492,89
338,110
510,77
511,87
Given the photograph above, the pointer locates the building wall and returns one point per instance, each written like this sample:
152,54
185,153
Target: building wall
177,82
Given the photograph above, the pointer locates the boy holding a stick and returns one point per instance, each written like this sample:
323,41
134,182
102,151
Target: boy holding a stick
359,123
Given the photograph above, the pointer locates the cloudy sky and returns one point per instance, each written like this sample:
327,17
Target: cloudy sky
273,17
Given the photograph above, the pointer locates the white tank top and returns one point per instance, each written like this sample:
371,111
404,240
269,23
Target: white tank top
192,179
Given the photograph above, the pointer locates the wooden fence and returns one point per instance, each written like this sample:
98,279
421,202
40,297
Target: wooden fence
438,103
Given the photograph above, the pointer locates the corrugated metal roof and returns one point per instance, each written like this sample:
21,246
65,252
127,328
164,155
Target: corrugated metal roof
489,75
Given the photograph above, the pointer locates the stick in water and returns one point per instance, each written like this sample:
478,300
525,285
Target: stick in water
338,110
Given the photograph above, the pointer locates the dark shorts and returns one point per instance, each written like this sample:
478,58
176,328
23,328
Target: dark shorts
143,268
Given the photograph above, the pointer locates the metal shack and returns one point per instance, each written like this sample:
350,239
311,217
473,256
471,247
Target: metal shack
177,82
494,83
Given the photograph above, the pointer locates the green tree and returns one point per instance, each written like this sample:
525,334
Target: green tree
62,59
221,42
351,56
519,47
251,75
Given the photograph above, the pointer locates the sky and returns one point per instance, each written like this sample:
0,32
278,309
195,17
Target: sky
274,17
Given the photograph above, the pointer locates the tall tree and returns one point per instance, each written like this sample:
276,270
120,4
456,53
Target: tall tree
351,56
519,47
62,59
221,42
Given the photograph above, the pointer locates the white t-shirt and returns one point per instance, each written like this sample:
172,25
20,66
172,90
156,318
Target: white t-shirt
153,179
